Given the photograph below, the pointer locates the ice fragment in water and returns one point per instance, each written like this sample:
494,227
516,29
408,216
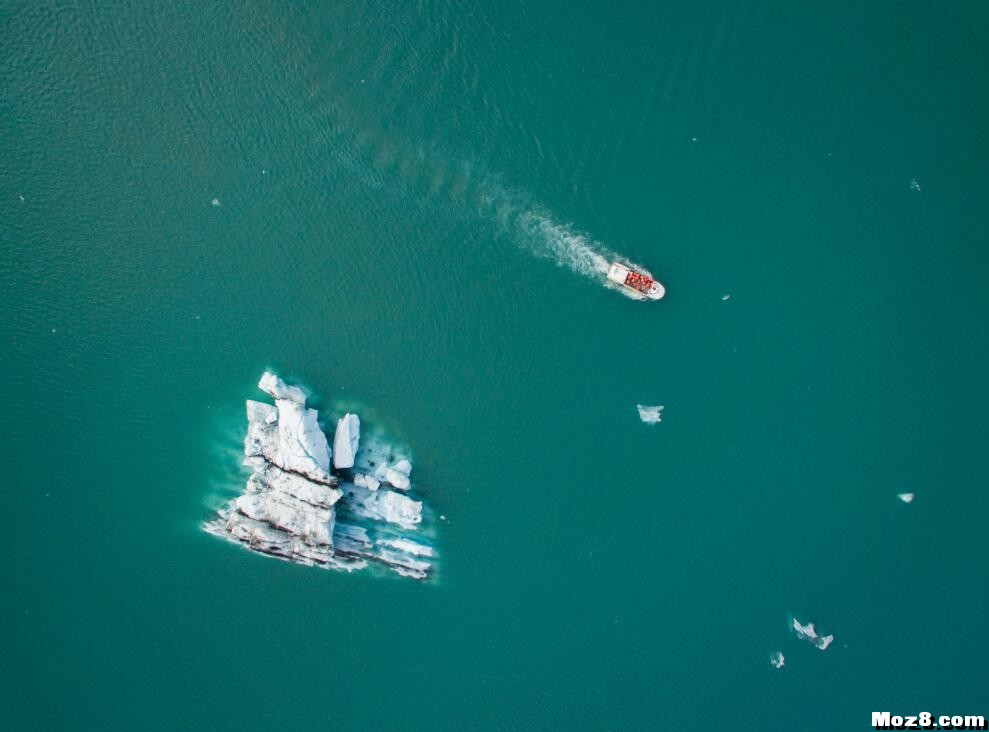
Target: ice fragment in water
777,660
905,497
806,632
809,633
345,440
650,415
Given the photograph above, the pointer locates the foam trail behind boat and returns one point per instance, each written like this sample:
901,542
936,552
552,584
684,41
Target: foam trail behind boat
569,248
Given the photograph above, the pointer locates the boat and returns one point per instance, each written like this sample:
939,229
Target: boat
636,284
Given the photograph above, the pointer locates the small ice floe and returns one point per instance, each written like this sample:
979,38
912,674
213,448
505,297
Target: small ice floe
725,297
693,139
215,202
809,633
777,660
905,497
806,632
914,185
650,415
380,464
22,198
367,481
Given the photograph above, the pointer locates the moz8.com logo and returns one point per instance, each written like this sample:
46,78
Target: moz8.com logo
926,720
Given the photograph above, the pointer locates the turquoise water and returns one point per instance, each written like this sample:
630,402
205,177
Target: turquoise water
408,194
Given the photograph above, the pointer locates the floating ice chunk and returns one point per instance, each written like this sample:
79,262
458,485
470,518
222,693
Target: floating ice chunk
367,481
345,441
398,509
397,479
409,547
650,415
905,497
403,466
806,632
725,297
777,660
291,438
275,387
383,505
809,633
914,185
215,202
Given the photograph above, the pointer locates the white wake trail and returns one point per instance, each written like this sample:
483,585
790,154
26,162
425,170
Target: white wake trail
569,248
565,246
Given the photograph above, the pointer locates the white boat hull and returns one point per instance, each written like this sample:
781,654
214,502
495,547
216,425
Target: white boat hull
619,275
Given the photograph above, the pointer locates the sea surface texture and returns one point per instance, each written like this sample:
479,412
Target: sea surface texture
406,208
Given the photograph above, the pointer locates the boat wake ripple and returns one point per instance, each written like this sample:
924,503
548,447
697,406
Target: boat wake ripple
569,248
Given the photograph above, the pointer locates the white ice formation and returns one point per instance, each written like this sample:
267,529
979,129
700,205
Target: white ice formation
345,441
294,508
905,497
777,660
650,415
377,463
809,634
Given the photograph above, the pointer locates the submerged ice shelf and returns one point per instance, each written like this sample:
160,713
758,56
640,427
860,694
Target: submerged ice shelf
296,508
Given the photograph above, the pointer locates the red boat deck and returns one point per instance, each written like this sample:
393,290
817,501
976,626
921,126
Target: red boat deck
638,282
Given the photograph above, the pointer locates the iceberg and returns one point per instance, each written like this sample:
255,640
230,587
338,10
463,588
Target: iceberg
905,497
292,500
345,441
777,660
650,415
